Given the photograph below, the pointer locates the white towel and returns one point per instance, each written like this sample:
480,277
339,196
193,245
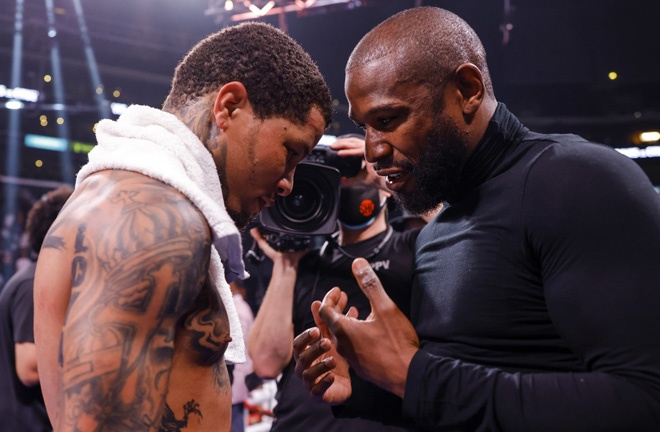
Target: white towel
156,144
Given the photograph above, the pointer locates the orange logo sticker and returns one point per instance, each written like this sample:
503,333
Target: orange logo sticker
367,207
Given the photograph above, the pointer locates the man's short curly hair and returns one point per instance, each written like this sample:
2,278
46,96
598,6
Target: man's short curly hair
43,213
280,77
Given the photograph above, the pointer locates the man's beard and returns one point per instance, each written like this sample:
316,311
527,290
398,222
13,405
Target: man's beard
241,219
438,172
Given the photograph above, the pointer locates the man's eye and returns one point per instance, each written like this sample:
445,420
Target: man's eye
292,154
385,120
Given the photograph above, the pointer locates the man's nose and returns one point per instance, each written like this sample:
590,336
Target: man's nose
285,185
375,148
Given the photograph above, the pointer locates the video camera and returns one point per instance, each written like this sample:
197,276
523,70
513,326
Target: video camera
311,209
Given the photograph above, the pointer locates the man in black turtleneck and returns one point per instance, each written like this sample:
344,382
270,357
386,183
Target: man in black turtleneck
536,297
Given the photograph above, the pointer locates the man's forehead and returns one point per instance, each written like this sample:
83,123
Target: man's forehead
314,117
390,58
380,86
386,75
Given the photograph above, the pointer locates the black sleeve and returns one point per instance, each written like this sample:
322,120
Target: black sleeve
373,403
592,221
23,313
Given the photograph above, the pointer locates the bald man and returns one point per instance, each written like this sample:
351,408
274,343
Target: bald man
535,298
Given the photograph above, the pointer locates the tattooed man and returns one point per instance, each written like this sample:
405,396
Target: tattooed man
132,327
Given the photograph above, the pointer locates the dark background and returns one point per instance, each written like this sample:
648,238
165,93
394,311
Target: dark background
552,72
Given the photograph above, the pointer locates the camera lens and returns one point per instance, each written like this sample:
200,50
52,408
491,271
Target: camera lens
303,203
312,205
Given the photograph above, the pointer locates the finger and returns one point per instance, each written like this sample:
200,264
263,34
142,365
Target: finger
347,142
371,286
317,370
342,302
336,299
316,305
348,146
371,178
352,312
311,356
303,340
345,152
332,308
262,243
256,234
322,386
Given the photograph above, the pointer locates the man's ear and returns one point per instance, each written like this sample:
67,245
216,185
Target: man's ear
470,84
230,97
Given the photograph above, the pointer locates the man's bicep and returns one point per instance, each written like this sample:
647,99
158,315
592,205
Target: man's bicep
596,230
133,279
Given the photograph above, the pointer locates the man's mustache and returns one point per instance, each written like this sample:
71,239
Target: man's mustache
386,164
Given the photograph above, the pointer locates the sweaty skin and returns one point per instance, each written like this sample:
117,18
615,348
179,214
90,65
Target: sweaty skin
143,330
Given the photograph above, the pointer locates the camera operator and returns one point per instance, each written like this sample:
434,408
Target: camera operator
298,278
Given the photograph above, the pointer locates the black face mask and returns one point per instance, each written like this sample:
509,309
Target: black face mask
358,206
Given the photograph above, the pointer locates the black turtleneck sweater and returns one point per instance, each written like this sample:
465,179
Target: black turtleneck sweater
537,293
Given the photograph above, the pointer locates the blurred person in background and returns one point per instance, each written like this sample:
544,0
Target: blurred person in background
21,402
239,387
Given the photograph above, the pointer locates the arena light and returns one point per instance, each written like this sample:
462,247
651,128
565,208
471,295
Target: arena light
13,157
259,12
248,10
650,136
118,108
644,137
43,142
66,165
640,153
14,104
101,103
19,93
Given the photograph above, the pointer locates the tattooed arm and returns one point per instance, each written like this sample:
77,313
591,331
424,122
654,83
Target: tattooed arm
138,253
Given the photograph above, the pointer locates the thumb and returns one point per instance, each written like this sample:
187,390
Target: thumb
316,305
330,310
371,286
262,243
